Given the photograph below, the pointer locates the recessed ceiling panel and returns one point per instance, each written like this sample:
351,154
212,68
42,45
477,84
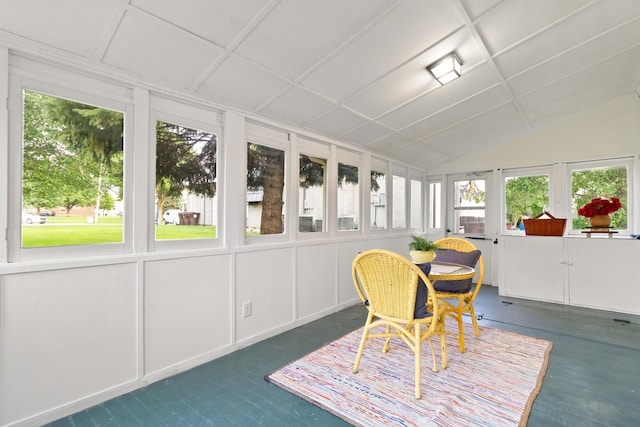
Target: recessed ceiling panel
472,82
403,33
565,98
413,79
584,60
297,34
481,131
159,53
297,106
240,84
336,122
75,26
390,144
478,104
366,134
219,21
590,23
514,21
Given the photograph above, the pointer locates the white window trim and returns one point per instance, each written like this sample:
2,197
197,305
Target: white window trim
79,93
306,146
196,118
352,159
514,173
575,166
262,135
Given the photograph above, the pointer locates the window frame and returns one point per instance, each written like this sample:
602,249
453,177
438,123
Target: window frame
451,217
278,139
382,166
306,146
91,92
400,172
352,159
439,199
524,172
415,176
627,162
168,110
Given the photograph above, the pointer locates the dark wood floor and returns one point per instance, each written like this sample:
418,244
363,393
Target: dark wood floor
593,378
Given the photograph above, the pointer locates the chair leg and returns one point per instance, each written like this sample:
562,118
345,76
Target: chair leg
474,320
365,334
460,327
385,348
417,348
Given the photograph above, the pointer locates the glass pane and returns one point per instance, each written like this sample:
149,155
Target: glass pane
469,212
416,204
435,205
605,182
525,197
185,182
348,196
399,206
72,173
265,190
311,197
378,201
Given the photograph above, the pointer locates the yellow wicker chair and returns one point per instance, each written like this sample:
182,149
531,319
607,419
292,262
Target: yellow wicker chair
387,282
464,300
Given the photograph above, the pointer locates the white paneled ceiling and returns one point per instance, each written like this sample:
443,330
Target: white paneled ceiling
354,70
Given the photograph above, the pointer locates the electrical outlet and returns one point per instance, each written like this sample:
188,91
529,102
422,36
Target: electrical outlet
246,309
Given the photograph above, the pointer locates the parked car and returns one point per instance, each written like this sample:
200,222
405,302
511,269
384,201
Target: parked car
29,218
47,212
171,217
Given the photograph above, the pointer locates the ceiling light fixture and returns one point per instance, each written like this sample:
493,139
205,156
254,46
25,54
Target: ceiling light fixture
446,69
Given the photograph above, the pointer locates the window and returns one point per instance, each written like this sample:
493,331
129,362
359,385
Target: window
526,195
185,186
434,209
72,172
378,199
399,217
416,204
469,206
348,197
312,194
600,179
265,190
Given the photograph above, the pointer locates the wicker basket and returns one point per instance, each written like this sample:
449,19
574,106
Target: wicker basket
550,226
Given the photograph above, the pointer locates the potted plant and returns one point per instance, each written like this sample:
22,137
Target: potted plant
422,250
599,211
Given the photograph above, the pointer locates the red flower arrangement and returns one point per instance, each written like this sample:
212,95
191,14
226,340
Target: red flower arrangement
600,206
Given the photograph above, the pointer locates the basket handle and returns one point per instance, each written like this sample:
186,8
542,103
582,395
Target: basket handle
544,213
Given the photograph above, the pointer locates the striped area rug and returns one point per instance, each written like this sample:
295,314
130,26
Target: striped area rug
492,384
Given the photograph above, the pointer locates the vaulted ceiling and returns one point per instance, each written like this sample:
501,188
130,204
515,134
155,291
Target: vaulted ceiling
354,70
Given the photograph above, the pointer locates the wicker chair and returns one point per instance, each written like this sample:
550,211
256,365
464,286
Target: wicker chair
387,283
464,299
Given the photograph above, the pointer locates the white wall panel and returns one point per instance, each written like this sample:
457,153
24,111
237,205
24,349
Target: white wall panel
65,334
264,278
316,280
187,309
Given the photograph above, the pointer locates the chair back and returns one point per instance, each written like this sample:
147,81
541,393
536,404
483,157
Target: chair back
462,245
389,282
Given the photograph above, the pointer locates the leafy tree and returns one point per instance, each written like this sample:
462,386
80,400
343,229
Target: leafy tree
526,196
185,160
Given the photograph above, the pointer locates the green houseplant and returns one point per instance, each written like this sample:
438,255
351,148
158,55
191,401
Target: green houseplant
422,250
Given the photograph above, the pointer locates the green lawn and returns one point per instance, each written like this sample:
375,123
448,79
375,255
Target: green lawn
70,230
